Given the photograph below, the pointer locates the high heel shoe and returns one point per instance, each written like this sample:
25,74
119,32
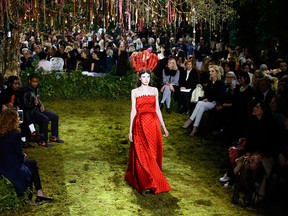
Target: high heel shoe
187,123
40,198
194,131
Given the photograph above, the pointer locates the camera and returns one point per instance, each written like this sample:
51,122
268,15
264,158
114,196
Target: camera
20,116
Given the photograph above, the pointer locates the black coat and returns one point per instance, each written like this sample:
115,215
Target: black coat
191,82
215,91
11,162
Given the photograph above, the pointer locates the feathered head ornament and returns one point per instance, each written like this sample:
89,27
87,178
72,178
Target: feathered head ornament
144,61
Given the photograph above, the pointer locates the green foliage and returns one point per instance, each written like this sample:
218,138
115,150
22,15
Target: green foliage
8,197
74,85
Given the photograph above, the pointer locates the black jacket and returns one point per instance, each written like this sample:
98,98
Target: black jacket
215,91
29,95
191,82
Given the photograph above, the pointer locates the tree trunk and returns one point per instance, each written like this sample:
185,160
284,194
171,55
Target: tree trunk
9,37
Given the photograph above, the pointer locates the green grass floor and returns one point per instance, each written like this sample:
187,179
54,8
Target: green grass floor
85,175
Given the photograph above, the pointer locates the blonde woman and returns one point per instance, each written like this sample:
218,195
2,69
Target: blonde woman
213,94
170,79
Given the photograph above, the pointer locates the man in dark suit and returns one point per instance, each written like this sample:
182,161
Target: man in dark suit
264,92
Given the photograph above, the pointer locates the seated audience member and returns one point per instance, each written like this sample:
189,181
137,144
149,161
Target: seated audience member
85,61
180,64
161,53
282,68
96,64
43,63
247,69
158,71
262,69
264,91
122,60
213,94
277,184
229,66
109,61
222,117
52,52
170,78
35,112
243,94
187,83
63,52
11,98
72,61
258,154
282,86
28,60
21,171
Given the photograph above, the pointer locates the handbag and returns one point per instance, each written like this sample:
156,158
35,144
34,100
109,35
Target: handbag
197,93
236,151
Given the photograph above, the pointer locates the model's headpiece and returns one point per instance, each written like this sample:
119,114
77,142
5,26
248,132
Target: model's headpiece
144,61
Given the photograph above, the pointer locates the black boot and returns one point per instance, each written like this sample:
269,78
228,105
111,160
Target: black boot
161,106
168,110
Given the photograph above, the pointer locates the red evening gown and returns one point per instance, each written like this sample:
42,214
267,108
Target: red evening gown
145,156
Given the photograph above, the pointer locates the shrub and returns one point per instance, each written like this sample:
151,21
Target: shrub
74,85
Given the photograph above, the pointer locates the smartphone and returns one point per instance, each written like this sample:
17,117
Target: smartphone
20,116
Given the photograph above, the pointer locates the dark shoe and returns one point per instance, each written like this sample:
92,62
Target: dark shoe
26,145
168,110
246,204
40,199
161,106
44,144
148,191
35,137
56,139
